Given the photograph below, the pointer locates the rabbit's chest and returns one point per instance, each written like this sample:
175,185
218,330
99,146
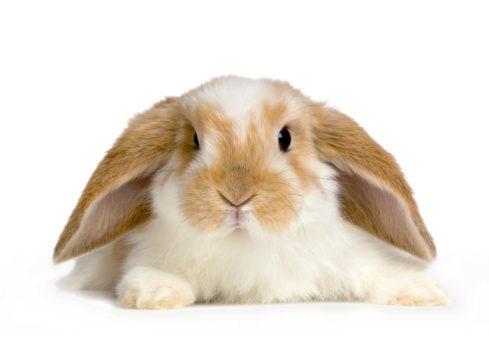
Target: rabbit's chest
237,269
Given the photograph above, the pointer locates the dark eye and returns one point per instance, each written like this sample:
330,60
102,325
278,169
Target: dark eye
284,139
196,141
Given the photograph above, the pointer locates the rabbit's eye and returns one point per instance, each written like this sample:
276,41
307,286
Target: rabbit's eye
196,141
284,139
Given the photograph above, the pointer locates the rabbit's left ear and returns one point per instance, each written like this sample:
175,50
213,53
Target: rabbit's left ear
373,193
116,199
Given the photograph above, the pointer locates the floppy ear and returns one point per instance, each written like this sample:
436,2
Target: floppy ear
374,194
116,198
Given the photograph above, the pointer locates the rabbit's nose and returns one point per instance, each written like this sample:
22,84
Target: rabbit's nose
236,202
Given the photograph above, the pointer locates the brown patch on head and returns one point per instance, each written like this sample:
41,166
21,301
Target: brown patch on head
204,117
273,115
237,174
241,169
208,115
195,123
301,151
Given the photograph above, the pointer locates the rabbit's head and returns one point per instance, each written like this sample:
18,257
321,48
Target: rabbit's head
250,157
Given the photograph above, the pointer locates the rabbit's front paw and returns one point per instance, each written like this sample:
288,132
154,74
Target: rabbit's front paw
422,294
149,288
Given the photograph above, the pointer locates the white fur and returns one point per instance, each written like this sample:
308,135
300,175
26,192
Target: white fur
321,257
240,99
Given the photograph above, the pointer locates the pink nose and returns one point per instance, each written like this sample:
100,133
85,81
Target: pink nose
238,216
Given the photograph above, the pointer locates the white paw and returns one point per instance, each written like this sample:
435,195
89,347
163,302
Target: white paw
150,288
422,294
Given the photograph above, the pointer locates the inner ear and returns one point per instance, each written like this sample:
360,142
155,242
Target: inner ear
114,214
378,211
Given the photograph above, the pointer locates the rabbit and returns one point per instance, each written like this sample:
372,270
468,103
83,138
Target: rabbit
247,191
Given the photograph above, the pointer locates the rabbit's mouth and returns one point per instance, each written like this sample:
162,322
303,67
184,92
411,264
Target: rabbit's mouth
238,216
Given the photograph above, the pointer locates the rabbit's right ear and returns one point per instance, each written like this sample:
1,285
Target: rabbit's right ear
116,198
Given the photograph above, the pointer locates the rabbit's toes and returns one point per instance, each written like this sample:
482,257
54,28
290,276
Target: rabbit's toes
149,288
422,295
420,301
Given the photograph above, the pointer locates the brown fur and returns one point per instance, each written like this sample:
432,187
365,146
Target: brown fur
239,173
241,170
302,147
144,146
373,186
374,194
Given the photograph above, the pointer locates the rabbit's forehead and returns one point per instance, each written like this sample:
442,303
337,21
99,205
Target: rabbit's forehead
234,106
214,117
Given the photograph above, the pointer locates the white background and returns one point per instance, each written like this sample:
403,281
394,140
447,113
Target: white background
414,74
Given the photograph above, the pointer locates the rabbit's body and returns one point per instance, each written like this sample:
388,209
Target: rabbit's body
313,262
235,216
314,265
